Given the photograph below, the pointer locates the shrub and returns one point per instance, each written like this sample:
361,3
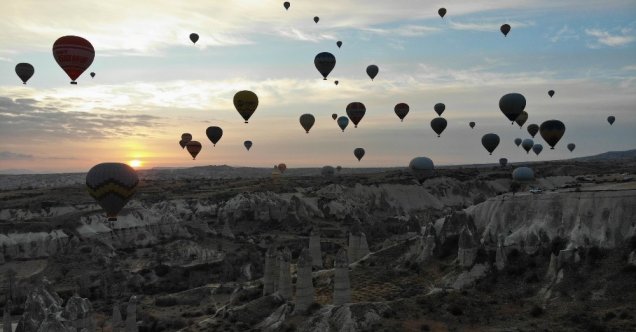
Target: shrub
536,311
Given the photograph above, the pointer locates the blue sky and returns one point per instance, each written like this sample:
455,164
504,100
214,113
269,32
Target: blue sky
152,84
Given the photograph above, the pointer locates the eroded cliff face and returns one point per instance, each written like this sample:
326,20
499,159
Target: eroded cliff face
595,218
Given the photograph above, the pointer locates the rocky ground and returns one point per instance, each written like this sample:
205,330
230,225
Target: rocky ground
460,253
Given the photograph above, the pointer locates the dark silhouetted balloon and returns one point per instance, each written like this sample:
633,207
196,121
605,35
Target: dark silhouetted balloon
439,108
571,147
441,12
307,121
372,71
338,168
335,82
183,143
328,171
518,141
339,43
401,110
316,19
422,168
214,134
505,29
512,105
24,71
355,112
282,167
325,62
537,148
503,162
334,116
522,118
193,148
286,4
611,119
527,144
187,137
523,174
245,103
490,142
194,38
92,74
551,131
343,122
112,185
74,54
551,93
533,129
471,124
247,145
438,125
359,153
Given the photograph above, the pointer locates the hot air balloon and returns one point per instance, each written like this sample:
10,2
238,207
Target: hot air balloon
282,167
187,137
533,129
92,74
522,118
194,38
518,141
512,105
422,168
611,119
523,174
316,19
552,131
441,12
438,125
307,121
439,108
571,147
245,103
343,122
286,4
551,93
471,124
401,110
527,144
182,143
490,142
355,112
335,82
193,148
327,171
24,71
537,148
325,62
372,71
358,153
74,54
338,168
505,29
503,162
214,134
339,43
334,116
111,185
247,145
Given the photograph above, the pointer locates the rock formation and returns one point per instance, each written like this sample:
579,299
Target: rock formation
41,301
358,246
347,317
117,323
632,258
304,282
284,277
131,315
314,248
78,314
532,243
227,231
6,318
500,256
342,286
467,248
270,275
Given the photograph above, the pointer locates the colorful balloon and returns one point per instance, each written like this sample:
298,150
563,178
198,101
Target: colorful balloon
245,103
325,62
24,71
74,54
358,153
355,112
343,122
372,71
214,134
490,142
193,148
401,110
307,121
438,125
112,185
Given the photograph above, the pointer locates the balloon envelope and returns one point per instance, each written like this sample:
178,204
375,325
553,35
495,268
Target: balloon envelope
523,174
551,131
522,118
193,148
247,145
183,143
186,137
571,147
214,134
439,108
441,12
551,93
74,54
401,110
286,4
245,103
505,29
611,119
327,171
512,105
359,153
533,129
194,38
355,112
307,121
92,75
335,82
422,168
339,43
372,71
24,71
471,124
490,142
316,19
518,141
111,185
527,144
537,148
438,125
334,116
343,122
325,62
282,167
503,162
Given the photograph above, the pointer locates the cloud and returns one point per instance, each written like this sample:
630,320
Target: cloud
410,30
6,155
565,33
488,25
604,37
298,34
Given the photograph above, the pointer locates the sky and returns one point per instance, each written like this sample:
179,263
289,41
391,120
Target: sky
152,84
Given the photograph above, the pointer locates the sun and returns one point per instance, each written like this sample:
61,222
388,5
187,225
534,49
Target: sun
135,163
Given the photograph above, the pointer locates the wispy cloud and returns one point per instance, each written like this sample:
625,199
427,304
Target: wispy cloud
410,30
488,25
565,33
298,34
603,37
6,155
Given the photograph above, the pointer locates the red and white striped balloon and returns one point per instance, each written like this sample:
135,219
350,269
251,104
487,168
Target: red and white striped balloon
74,54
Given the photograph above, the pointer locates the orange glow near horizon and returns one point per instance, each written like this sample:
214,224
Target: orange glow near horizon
135,163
